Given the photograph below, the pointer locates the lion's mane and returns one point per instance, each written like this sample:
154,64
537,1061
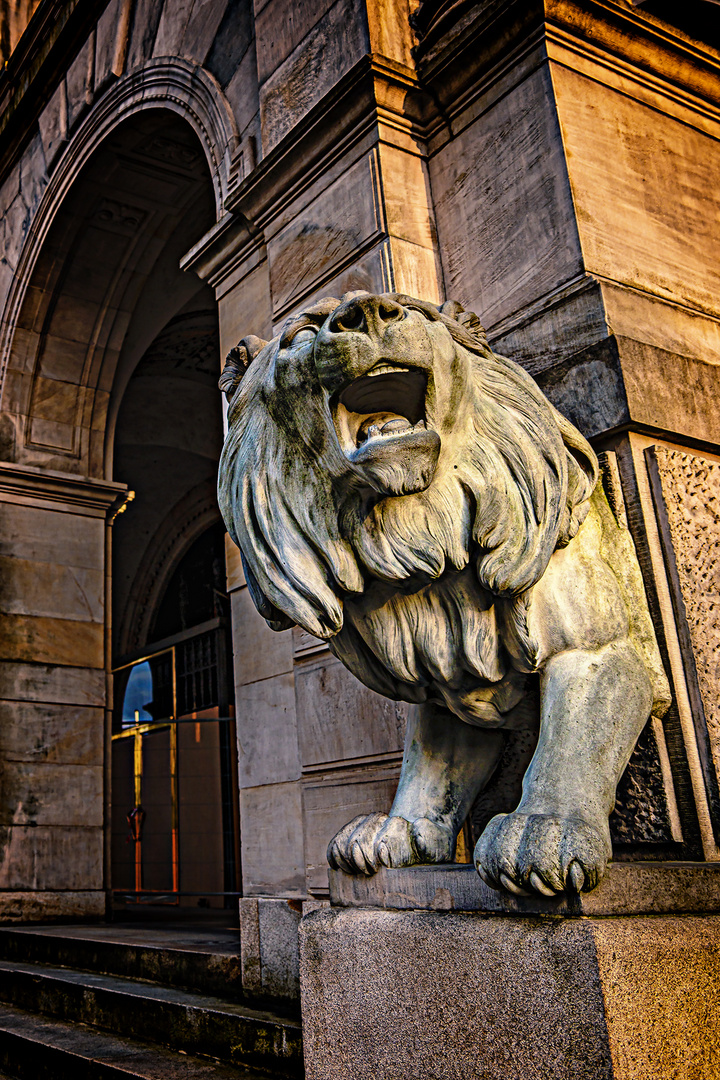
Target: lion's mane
376,575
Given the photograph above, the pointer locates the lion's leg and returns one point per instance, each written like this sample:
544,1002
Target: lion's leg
594,706
445,764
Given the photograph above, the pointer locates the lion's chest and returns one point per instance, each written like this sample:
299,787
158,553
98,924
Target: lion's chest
445,632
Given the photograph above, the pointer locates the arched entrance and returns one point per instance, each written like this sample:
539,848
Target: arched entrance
110,364
174,813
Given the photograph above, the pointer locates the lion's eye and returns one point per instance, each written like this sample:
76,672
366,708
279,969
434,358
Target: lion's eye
304,336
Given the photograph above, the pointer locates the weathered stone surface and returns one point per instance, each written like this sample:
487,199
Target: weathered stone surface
279,30
463,995
41,535
57,793
658,221
253,290
53,122
232,46
339,718
329,800
48,590
43,906
326,54
456,995
201,29
47,683
46,857
261,652
269,946
52,641
41,732
689,492
106,40
267,731
629,889
660,993
667,387
80,83
273,861
33,173
143,31
588,388
242,93
507,167
324,235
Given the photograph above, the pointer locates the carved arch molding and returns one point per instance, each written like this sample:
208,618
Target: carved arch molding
146,173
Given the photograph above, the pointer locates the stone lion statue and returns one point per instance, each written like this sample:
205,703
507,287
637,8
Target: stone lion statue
400,491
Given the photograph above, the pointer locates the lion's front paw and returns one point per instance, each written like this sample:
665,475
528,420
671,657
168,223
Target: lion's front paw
541,853
370,841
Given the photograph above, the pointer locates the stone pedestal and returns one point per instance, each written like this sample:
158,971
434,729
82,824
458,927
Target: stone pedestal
427,990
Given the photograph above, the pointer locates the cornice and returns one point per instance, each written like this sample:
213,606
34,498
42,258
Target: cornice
617,34
27,483
230,243
617,38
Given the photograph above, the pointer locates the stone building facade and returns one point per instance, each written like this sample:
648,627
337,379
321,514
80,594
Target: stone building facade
177,175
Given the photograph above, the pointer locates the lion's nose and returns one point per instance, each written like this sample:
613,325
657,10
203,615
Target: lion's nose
365,315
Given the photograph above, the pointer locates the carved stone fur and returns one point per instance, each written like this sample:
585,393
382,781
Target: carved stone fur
401,491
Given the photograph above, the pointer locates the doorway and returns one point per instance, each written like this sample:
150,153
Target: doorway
175,835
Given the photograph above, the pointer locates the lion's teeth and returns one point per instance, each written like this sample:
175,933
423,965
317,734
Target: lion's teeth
386,369
396,425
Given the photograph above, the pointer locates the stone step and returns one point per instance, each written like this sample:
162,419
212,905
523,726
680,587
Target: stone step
32,1048
178,1019
205,961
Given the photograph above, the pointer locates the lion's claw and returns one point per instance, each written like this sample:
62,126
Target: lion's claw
541,853
370,841
352,849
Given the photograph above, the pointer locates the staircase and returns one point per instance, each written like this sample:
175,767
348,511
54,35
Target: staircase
105,1003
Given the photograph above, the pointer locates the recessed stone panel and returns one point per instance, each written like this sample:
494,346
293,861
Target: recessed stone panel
503,205
340,719
325,235
330,801
325,55
690,504
267,732
272,840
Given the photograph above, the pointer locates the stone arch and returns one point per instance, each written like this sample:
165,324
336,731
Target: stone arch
57,383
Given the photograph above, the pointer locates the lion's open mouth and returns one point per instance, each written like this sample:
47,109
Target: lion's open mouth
388,402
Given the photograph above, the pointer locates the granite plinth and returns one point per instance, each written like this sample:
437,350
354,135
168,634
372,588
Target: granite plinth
627,889
454,995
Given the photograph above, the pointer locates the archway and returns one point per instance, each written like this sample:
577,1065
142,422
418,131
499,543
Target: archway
101,291
174,815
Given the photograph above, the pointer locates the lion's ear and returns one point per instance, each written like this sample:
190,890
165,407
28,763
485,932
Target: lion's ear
237,362
470,322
